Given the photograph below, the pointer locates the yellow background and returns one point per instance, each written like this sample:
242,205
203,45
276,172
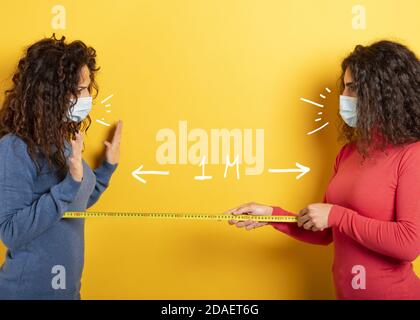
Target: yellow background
217,64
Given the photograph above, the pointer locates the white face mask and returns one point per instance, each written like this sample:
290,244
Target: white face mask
81,109
348,110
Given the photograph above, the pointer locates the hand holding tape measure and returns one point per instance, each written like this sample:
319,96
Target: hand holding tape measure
256,210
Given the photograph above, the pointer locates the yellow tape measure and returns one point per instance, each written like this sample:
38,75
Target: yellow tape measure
185,216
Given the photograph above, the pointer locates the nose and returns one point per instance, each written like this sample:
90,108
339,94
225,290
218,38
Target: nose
346,92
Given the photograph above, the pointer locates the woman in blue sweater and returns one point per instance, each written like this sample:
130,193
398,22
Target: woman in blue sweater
42,173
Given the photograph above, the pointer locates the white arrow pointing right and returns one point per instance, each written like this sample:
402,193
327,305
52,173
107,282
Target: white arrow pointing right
304,170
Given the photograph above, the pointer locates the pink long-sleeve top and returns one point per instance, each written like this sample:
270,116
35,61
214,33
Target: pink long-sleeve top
374,223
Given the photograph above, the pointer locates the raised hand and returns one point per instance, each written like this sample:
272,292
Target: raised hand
76,165
112,153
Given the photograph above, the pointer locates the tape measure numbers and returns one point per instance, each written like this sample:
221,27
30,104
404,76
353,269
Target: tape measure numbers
185,216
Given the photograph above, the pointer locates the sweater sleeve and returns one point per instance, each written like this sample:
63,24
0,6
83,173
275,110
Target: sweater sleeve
299,233
103,175
398,239
23,214
324,237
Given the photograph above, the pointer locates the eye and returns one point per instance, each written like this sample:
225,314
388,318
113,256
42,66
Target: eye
350,87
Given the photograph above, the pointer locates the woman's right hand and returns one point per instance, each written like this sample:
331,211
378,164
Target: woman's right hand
253,209
76,165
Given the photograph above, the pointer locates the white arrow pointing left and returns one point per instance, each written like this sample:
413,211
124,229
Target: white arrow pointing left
136,173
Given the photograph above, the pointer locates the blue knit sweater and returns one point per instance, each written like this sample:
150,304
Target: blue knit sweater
45,253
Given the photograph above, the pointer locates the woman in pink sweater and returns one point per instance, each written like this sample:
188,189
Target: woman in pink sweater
371,208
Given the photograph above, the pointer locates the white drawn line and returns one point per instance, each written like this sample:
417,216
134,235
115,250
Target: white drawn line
326,124
136,173
202,178
108,105
322,96
312,102
155,172
302,169
329,91
102,122
320,112
318,119
107,98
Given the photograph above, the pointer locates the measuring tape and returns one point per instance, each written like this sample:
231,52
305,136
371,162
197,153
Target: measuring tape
185,216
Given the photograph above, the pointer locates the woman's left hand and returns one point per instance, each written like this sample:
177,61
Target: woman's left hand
112,153
315,216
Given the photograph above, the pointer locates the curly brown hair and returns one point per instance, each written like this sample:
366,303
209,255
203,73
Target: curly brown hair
35,107
386,80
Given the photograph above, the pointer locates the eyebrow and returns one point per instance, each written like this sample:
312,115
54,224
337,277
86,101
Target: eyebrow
349,84
83,87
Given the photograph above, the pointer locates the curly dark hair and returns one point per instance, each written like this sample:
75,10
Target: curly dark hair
35,107
386,80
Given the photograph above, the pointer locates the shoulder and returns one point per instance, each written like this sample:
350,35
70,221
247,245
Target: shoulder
342,153
410,157
411,150
413,147
12,142
14,151
345,150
